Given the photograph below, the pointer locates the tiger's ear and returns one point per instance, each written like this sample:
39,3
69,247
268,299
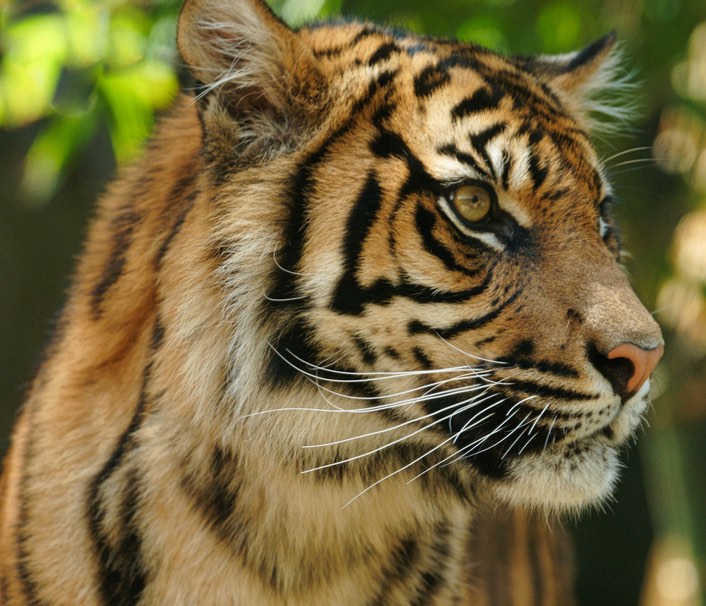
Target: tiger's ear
591,84
250,65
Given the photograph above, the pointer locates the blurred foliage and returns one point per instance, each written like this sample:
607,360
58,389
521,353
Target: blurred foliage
72,70
77,63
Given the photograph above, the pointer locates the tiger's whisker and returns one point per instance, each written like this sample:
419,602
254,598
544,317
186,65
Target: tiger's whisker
285,270
394,473
509,448
282,300
532,436
468,403
430,386
470,355
549,432
632,150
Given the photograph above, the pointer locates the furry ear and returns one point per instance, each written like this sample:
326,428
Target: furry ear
253,68
591,83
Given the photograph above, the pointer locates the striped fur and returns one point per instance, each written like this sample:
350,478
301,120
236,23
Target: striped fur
289,372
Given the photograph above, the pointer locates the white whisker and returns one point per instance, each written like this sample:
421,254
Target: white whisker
284,269
384,446
394,473
549,432
509,448
282,300
470,355
539,416
625,152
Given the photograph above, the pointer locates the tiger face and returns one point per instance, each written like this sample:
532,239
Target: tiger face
444,257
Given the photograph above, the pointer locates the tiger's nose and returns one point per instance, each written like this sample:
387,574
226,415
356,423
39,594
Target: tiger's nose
628,366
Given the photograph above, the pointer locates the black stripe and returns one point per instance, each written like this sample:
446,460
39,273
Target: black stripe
522,357
295,340
366,350
453,151
186,207
383,53
537,173
122,227
434,576
484,98
28,583
480,140
507,168
426,221
295,233
157,334
392,353
430,79
416,327
217,494
532,388
350,296
121,573
123,576
422,358
366,32
391,145
217,497
403,560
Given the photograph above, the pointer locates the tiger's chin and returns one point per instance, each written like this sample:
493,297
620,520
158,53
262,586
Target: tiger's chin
571,477
563,480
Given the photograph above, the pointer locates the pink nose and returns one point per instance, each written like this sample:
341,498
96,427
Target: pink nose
643,362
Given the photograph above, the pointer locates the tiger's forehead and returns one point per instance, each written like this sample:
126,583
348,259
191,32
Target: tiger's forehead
474,114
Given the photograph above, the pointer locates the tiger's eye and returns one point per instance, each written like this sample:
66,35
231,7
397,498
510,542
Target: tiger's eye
472,203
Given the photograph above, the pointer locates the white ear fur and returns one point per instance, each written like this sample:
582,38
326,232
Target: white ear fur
241,49
592,84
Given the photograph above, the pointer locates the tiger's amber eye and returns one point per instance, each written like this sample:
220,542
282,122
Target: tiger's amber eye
472,203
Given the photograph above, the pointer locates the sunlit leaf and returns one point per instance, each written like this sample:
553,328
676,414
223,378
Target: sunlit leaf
36,37
128,36
132,95
35,49
86,35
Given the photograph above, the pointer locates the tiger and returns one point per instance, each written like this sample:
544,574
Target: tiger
347,333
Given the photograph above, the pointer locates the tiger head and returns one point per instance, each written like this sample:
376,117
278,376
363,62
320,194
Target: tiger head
439,247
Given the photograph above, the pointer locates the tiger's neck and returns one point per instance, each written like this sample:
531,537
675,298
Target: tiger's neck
305,538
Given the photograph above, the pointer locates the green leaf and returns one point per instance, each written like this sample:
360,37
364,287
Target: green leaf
51,152
132,95
35,51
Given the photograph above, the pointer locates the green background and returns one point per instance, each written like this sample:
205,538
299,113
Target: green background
81,82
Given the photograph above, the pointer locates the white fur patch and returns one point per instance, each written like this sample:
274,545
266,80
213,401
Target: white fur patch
551,481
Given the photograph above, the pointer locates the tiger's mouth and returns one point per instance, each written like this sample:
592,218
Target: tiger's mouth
577,473
629,417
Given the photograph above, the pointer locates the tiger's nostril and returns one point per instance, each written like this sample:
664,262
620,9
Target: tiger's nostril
627,366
